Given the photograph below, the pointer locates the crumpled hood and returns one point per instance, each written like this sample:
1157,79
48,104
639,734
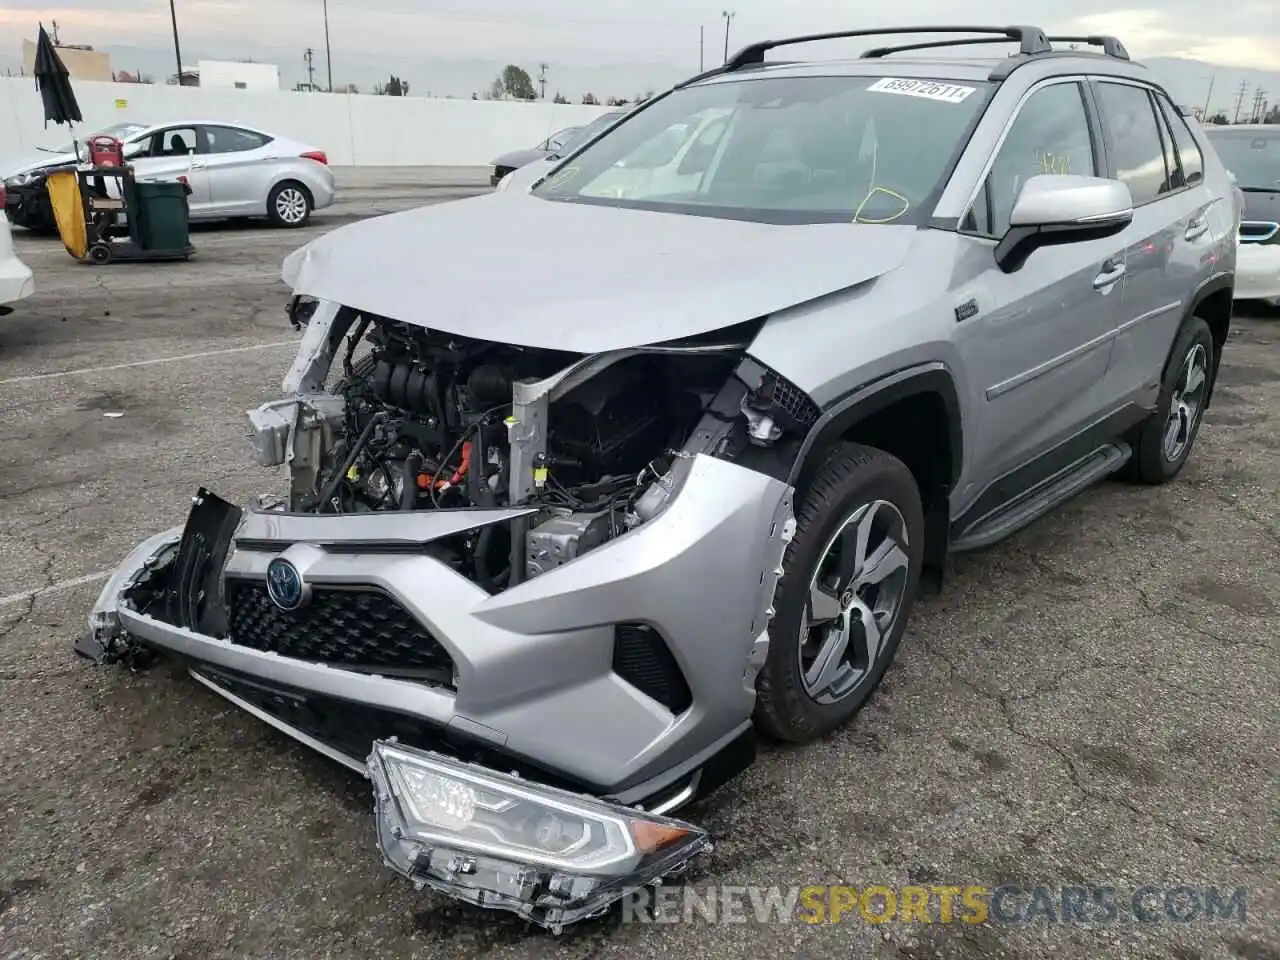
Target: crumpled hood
518,158
37,161
514,268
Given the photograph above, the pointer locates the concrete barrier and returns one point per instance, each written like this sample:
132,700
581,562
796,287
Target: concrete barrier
354,129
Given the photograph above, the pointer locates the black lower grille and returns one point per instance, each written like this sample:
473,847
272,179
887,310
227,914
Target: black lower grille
360,628
642,658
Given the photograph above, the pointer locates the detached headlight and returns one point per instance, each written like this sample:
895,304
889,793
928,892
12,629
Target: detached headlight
501,842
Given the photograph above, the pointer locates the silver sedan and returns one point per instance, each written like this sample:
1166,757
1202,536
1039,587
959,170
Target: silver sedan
233,171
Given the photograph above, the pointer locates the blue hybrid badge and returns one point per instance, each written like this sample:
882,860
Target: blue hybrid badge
284,585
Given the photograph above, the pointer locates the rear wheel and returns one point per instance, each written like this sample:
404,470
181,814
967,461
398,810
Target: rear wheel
1163,444
289,204
850,578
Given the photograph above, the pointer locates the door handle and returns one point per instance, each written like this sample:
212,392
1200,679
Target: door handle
1112,270
197,164
1197,228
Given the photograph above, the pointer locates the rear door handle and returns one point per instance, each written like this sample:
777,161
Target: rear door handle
1112,271
197,164
1197,228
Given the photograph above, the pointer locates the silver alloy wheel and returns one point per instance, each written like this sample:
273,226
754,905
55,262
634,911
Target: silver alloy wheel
1186,403
855,595
291,205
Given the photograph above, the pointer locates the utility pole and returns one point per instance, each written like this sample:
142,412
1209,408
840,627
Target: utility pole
311,69
1259,105
1244,86
1209,96
702,46
542,80
55,34
177,51
328,54
728,19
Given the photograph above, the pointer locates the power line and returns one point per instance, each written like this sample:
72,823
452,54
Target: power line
1244,86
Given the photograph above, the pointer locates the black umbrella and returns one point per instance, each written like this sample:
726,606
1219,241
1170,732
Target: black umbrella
55,83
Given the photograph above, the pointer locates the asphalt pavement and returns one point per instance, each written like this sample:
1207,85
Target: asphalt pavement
1093,703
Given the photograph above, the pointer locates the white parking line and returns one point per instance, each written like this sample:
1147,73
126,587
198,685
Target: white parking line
30,378
54,588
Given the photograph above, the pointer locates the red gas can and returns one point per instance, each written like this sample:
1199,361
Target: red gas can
106,152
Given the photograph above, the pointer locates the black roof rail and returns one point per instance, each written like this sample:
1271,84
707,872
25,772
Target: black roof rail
878,52
1111,47
1031,40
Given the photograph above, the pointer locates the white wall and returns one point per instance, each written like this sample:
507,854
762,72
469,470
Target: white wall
225,74
357,130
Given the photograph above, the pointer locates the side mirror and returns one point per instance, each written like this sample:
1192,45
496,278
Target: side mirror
1054,209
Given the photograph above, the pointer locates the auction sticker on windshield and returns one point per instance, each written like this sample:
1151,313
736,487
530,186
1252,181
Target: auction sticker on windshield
929,89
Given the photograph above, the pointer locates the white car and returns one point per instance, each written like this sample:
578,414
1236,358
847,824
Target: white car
1251,151
15,276
233,171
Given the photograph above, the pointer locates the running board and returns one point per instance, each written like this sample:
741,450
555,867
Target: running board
1008,519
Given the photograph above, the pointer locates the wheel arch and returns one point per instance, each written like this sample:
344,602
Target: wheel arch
914,414
289,180
1212,302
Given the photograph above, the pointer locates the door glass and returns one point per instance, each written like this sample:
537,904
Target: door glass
1049,135
1137,153
233,140
1189,156
178,142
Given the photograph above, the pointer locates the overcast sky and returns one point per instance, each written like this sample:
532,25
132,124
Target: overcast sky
573,34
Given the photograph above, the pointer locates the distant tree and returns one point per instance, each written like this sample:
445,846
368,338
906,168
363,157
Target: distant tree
475,96
1219,118
617,102
395,87
517,83
590,100
496,90
560,98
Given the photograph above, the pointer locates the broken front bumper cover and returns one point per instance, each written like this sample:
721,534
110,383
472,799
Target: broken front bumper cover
500,842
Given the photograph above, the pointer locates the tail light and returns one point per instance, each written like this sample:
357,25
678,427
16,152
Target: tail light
319,156
2,198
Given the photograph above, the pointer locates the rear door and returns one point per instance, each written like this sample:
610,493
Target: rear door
177,152
1169,246
240,170
1038,350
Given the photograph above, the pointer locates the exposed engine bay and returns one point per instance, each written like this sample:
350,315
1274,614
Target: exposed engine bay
414,419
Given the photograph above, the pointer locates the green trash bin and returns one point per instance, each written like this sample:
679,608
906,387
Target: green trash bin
160,209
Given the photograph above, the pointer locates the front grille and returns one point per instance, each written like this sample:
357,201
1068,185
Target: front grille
359,628
642,658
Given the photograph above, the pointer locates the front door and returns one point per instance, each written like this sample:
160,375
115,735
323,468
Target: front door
1035,342
238,170
177,152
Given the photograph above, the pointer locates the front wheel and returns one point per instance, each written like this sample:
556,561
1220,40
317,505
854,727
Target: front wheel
850,578
289,205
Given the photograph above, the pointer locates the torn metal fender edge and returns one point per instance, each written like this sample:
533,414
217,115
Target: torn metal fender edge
103,638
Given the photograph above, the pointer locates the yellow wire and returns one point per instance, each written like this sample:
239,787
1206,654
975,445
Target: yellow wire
906,205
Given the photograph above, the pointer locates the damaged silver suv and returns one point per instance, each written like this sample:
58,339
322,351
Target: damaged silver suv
590,483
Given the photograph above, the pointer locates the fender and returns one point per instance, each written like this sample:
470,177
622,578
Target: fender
845,412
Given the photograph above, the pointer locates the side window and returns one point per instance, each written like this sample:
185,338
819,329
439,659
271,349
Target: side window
1189,156
1049,135
1137,152
233,140
177,142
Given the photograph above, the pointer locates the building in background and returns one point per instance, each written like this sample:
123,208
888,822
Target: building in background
82,62
238,75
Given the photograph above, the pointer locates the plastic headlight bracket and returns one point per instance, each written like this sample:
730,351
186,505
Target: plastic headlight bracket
502,842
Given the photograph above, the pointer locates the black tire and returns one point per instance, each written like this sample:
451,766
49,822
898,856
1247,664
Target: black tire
99,253
290,204
1152,463
854,477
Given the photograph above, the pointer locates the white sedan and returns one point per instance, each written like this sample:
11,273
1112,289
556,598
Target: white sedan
15,276
233,171
1252,153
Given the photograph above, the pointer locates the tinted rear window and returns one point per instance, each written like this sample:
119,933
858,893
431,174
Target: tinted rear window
1252,155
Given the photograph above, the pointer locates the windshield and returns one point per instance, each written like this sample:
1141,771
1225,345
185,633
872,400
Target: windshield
587,132
121,131
781,150
1252,155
